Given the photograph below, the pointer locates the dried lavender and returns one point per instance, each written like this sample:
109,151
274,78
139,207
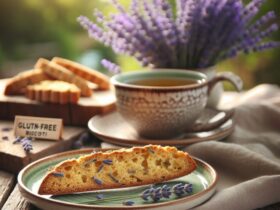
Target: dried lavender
96,180
107,162
17,140
6,129
26,143
99,196
58,174
114,179
156,194
100,168
128,203
198,34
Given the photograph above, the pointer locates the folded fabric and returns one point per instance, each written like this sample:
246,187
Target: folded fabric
248,161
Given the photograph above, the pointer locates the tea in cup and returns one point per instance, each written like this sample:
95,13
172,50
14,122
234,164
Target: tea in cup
162,104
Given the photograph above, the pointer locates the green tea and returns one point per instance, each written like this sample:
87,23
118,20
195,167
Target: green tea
164,82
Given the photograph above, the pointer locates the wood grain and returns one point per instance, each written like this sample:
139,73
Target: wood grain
7,182
16,202
72,114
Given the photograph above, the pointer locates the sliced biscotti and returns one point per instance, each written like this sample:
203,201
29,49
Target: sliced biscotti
17,85
118,168
61,73
85,72
54,92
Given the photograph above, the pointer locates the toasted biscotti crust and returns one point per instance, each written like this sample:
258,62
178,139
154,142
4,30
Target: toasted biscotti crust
17,85
119,168
85,72
60,73
54,92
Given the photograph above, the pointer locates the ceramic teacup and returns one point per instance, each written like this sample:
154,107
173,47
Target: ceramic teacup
163,111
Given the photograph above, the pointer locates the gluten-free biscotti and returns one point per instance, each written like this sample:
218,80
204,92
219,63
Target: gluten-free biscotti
117,168
101,80
17,85
60,73
59,92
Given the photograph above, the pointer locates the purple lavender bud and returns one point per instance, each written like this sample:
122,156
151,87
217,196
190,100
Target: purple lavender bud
27,144
6,129
112,67
107,161
100,168
99,196
128,203
17,140
166,191
188,188
96,180
58,174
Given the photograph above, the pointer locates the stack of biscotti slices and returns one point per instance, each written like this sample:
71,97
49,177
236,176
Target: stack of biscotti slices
118,168
57,81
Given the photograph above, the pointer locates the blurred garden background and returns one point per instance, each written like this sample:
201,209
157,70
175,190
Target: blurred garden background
31,29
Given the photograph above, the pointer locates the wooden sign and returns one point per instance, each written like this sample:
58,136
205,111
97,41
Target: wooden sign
38,127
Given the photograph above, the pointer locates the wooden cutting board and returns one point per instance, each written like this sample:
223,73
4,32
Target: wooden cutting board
12,156
100,102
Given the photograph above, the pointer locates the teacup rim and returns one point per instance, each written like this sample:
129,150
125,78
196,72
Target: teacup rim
116,83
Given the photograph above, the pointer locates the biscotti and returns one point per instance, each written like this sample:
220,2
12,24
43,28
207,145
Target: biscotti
87,73
54,92
17,85
60,73
117,168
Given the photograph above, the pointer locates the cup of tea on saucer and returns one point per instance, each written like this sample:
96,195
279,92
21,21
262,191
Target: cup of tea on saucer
163,103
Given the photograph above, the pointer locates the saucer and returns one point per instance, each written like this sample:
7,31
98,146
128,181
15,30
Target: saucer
112,128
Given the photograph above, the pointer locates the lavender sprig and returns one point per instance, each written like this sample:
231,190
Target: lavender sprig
27,144
156,194
200,33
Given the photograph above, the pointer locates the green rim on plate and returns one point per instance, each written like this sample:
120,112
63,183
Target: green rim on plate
203,179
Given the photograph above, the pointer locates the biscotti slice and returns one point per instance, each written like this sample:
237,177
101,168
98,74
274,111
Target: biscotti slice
117,168
54,92
61,73
85,72
17,85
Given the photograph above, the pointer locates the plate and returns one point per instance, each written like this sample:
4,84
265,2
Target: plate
112,128
203,179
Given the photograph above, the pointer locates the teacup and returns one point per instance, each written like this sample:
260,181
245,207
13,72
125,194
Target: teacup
163,103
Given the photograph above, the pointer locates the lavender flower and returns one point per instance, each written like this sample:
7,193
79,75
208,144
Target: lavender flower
27,144
97,181
156,194
107,162
198,34
99,196
6,129
58,174
113,68
128,203
17,140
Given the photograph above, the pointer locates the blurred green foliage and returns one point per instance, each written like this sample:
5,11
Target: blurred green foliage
24,23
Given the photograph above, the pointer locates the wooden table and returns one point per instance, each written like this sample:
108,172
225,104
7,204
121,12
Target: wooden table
11,199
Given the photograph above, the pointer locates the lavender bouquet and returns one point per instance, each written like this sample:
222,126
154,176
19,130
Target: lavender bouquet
194,34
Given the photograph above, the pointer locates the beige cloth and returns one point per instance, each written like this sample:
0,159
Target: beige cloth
248,161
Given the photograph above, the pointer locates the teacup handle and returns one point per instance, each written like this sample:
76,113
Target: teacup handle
214,121
226,76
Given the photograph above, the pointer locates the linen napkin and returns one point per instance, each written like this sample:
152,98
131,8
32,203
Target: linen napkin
248,161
